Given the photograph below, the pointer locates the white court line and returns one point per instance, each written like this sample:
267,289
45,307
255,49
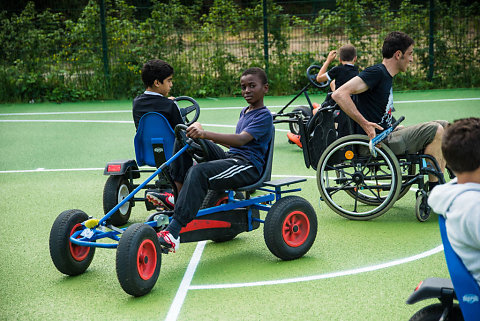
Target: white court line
177,303
185,284
322,276
65,121
217,108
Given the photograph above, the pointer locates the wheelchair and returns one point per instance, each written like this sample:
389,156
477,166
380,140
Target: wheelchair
289,227
461,288
356,179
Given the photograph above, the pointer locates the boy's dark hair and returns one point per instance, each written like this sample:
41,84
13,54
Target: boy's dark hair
394,41
461,145
257,71
155,69
347,52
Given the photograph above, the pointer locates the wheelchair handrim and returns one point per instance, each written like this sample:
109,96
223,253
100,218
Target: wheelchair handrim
381,205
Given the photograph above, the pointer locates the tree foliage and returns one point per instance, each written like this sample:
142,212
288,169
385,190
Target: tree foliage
57,56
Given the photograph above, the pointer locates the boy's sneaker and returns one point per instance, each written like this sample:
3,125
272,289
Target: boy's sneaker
294,138
167,240
165,200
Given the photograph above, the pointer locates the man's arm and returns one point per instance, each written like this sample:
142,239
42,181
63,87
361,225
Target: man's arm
235,140
343,98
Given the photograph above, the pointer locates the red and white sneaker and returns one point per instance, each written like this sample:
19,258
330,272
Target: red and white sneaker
166,200
167,240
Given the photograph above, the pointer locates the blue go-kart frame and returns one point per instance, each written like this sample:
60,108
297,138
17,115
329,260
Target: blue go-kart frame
290,225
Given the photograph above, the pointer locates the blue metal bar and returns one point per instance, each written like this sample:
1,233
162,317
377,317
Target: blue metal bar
236,204
135,191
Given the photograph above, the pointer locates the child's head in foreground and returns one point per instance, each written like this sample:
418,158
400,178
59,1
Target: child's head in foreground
461,145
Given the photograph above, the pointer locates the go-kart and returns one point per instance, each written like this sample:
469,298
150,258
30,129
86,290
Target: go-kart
459,296
290,225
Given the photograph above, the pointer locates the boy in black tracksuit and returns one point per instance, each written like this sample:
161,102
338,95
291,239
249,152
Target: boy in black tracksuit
157,77
339,75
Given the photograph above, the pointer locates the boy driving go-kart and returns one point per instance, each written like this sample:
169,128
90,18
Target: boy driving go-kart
238,167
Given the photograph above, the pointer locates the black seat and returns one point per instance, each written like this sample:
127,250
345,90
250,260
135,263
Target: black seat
267,169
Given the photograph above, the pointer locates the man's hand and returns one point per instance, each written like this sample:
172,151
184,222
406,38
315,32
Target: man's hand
370,127
195,130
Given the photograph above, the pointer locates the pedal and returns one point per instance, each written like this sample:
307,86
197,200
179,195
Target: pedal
162,221
164,250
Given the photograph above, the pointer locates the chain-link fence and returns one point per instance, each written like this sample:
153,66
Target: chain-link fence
56,55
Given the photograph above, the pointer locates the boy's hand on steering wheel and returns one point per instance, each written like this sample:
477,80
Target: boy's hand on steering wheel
195,130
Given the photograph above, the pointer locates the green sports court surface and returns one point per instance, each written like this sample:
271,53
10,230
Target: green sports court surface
52,159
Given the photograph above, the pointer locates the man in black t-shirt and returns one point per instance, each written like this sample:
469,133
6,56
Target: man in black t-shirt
373,111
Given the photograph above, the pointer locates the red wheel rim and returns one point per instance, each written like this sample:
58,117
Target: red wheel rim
146,259
78,252
223,200
296,228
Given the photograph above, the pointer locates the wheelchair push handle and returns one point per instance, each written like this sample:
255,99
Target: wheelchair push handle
380,137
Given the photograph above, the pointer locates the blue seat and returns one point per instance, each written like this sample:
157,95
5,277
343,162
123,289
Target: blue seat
154,140
466,287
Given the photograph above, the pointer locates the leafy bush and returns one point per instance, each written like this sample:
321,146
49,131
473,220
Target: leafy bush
46,56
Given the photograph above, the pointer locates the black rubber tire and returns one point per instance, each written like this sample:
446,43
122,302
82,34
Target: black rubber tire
136,275
215,198
434,312
115,190
422,210
290,227
306,112
68,258
372,208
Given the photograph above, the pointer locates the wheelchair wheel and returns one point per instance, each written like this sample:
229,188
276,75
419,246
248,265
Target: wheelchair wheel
138,259
408,170
422,210
69,258
290,227
346,167
306,112
115,190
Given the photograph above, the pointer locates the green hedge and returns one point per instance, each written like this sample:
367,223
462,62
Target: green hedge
46,56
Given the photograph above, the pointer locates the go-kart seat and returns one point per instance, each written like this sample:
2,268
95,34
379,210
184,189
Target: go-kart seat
267,169
466,287
154,140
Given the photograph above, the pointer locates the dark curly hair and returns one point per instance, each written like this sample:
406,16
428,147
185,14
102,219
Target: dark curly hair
155,69
461,145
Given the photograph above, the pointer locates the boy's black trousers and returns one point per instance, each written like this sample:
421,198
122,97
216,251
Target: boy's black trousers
223,171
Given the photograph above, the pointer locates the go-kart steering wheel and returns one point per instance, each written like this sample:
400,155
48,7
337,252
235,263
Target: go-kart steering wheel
312,73
199,150
187,110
